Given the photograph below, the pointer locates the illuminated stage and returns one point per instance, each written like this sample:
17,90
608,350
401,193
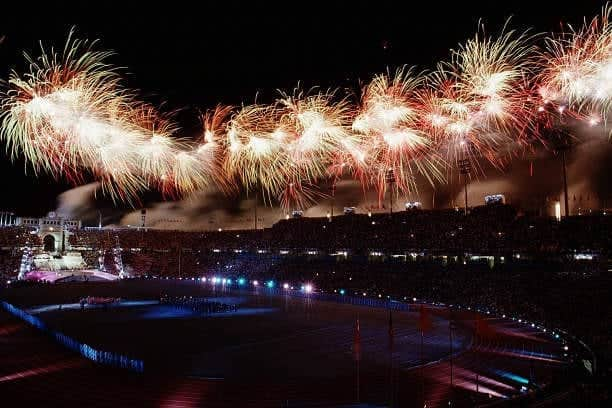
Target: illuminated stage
70,275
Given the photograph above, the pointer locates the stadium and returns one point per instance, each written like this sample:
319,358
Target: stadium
288,215
311,318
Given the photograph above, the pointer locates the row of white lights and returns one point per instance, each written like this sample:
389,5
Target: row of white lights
255,283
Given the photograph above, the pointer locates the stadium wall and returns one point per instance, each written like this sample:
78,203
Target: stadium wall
97,356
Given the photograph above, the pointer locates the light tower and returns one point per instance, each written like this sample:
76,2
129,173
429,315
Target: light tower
390,180
255,212
465,168
565,198
333,199
559,135
255,203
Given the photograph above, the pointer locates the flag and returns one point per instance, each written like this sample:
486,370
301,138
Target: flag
424,319
357,342
483,329
479,325
390,330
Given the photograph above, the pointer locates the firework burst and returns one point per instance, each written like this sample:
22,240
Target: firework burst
40,108
313,127
391,140
254,150
69,115
576,70
479,105
211,144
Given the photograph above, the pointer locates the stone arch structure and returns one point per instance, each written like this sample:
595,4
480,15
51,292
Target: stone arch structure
49,243
52,242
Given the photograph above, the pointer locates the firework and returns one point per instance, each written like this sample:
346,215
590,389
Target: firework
154,146
392,142
313,127
479,104
210,147
39,108
68,116
576,71
254,150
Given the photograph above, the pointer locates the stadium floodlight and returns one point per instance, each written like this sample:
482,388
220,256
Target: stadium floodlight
390,180
465,168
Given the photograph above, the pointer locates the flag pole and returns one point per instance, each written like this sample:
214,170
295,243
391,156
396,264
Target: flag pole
357,356
390,358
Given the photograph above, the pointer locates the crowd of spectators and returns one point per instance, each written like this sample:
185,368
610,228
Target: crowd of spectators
11,237
9,263
488,230
12,242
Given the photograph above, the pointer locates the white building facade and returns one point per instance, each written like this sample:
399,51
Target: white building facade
52,230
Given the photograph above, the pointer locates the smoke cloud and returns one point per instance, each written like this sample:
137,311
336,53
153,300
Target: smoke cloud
532,182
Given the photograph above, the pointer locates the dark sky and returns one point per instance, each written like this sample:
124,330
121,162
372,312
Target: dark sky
192,57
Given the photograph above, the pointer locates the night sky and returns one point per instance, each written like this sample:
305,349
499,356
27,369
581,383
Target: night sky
188,58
